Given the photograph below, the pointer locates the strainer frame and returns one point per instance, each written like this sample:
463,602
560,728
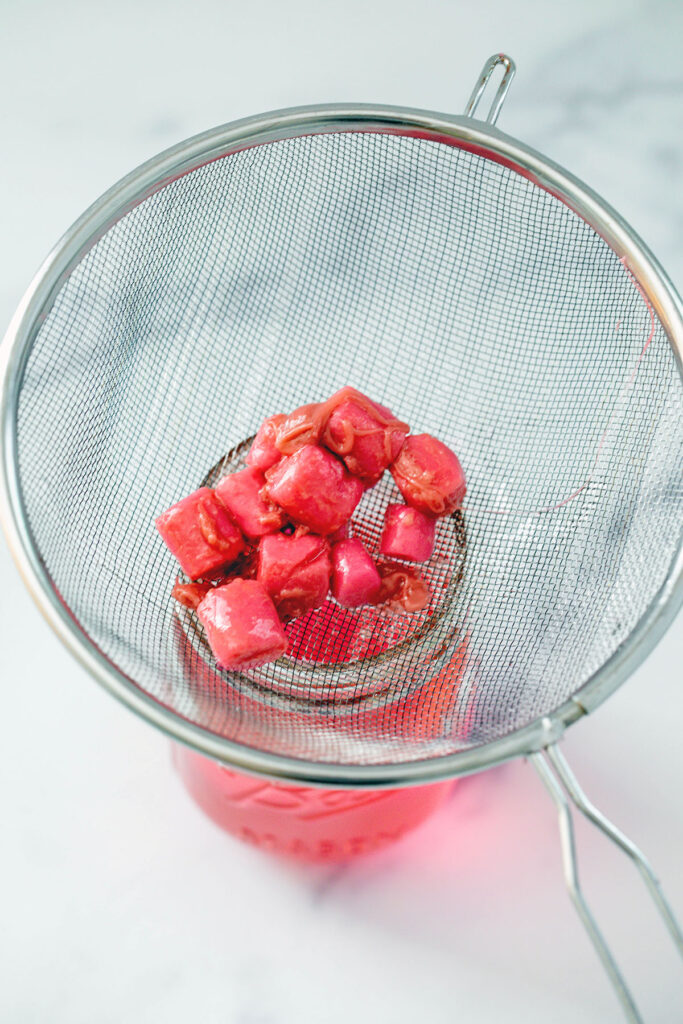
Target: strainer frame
466,133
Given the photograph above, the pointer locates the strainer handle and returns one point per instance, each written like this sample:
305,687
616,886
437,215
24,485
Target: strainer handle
558,777
505,83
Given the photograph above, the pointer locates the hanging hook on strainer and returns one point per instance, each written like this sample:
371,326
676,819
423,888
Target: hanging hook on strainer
450,272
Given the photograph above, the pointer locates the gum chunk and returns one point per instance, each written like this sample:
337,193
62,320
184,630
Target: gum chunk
199,532
295,572
408,533
240,493
314,489
355,579
303,426
242,625
429,475
367,436
263,452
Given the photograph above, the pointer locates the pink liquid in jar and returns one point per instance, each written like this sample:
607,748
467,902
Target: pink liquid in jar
309,823
325,824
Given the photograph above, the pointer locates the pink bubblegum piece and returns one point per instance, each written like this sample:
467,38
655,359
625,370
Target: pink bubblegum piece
199,532
314,489
355,579
408,533
263,452
303,426
429,475
295,572
367,436
241,494
242,625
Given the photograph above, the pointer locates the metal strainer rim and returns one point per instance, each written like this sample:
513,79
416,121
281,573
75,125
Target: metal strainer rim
152,176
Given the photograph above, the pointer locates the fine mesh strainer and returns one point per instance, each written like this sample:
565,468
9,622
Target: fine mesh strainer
450,272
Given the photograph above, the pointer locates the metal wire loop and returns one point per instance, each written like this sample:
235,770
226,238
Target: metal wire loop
506,81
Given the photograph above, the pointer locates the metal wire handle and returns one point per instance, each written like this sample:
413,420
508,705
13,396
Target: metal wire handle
505,83
544,763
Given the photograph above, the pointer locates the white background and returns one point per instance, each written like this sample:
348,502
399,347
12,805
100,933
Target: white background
120,902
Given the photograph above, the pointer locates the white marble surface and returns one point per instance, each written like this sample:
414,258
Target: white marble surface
120,902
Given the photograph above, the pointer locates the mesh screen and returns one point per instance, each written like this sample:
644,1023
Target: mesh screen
474,304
